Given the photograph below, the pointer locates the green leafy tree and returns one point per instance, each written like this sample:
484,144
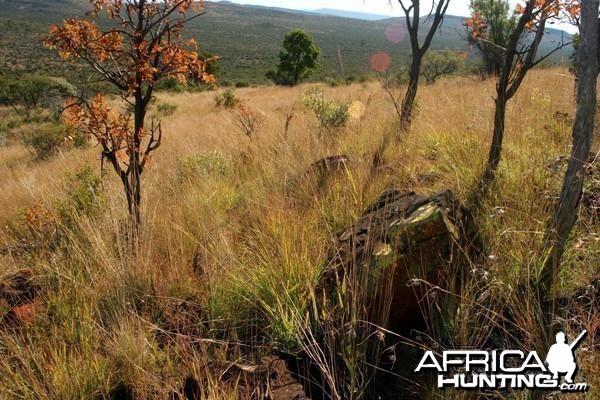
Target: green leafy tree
212,64
499,21
437,64
298,61
30,93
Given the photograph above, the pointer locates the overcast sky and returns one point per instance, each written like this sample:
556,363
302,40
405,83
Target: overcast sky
383,7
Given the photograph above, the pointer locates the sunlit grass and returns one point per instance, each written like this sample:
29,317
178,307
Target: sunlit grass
244,229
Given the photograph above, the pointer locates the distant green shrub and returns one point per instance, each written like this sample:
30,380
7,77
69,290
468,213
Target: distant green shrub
368,78
170,85
352,78
165,108
333,82
30,93
437,64
44,140
330,115
202,164
83,193
227,99
401,77
242,84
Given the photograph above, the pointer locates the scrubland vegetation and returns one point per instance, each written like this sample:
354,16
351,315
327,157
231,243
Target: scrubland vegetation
236,229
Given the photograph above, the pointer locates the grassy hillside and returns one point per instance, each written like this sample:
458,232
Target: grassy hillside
235,233
248,39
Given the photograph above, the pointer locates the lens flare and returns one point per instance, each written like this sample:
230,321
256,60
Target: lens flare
356,109
395,33
381,62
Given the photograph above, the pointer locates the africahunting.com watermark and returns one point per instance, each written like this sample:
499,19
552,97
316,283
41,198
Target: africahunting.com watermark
507,369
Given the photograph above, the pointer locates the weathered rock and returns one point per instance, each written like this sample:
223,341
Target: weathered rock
269,380
331,163
19,287
175,319
408,241
122,392
19,293
281,381
318,177
329,167
23,315
562,117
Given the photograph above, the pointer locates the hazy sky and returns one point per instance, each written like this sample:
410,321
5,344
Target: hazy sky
384,7
457,7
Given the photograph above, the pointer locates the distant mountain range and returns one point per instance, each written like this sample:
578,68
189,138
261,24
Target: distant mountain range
247,38
349,14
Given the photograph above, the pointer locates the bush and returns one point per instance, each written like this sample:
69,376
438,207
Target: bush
30,93
247,120
436,65
83,193
330,115
242,84
202,164
333,82
44,140
227,99
368,78
166,108
278,78
170,85
352,78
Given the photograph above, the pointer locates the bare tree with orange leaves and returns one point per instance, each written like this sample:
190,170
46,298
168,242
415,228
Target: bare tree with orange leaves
143,46
520,56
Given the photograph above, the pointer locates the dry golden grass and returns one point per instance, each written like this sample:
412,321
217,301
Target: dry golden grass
244,230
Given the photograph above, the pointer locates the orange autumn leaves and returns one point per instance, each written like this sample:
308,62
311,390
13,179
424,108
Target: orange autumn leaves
537,11
477,26
79,38
115,8
553,9
97,120
144,46
135,54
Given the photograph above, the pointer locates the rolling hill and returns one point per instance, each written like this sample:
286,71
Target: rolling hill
348,14
247,38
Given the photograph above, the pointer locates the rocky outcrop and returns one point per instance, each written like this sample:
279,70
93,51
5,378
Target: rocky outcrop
404,244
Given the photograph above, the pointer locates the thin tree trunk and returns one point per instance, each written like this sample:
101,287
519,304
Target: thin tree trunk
496,146
567,206
135,193
411,93
509,81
